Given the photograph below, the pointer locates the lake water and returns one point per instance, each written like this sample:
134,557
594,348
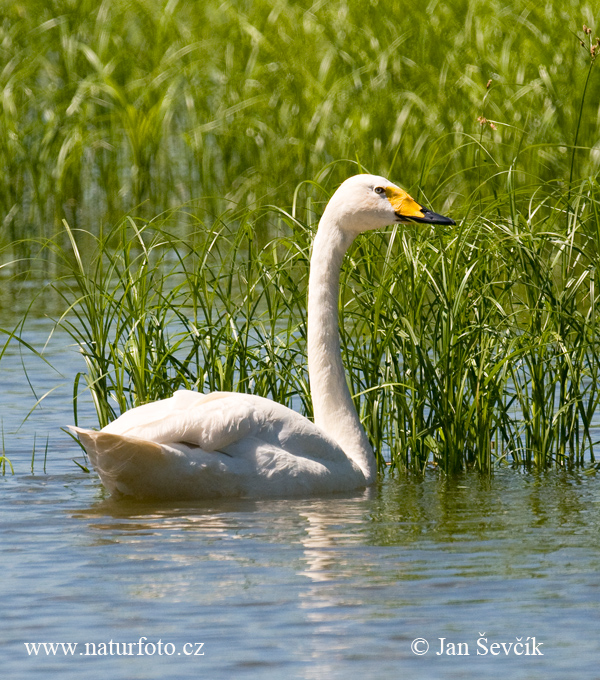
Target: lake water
335,587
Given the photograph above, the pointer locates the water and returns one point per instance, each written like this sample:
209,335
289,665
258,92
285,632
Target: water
334,587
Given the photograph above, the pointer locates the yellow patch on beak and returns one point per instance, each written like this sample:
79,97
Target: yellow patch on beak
404,205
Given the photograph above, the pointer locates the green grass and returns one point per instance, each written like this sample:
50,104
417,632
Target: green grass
144,144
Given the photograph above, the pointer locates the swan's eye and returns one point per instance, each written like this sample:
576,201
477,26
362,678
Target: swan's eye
379,190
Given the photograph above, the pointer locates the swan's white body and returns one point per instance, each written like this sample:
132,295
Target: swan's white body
195,446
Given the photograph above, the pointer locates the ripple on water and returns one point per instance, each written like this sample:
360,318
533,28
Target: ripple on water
335,587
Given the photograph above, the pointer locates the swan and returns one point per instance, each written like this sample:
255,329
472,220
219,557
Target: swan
196,446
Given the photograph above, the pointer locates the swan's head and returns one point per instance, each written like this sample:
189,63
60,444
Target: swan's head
366,202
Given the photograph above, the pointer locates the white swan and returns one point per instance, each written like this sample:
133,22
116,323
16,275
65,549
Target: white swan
195,446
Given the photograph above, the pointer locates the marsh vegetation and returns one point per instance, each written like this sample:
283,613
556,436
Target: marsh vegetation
144,146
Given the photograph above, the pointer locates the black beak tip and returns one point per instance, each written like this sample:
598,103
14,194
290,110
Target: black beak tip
429,217
433,218
447,220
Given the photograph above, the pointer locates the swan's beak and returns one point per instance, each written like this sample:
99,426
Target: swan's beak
408,210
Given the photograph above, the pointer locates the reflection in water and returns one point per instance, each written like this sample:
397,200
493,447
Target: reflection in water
317,548
330,525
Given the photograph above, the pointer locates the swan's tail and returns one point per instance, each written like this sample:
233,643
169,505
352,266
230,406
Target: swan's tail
130,466
125,464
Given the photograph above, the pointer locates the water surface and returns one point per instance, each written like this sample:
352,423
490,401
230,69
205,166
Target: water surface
335,587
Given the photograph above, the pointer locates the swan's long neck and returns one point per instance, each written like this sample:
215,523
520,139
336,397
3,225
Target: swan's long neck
333,407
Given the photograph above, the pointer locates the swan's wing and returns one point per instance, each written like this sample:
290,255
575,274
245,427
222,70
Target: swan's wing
190,418
215,421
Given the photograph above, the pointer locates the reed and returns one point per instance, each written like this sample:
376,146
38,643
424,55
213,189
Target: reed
236,102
